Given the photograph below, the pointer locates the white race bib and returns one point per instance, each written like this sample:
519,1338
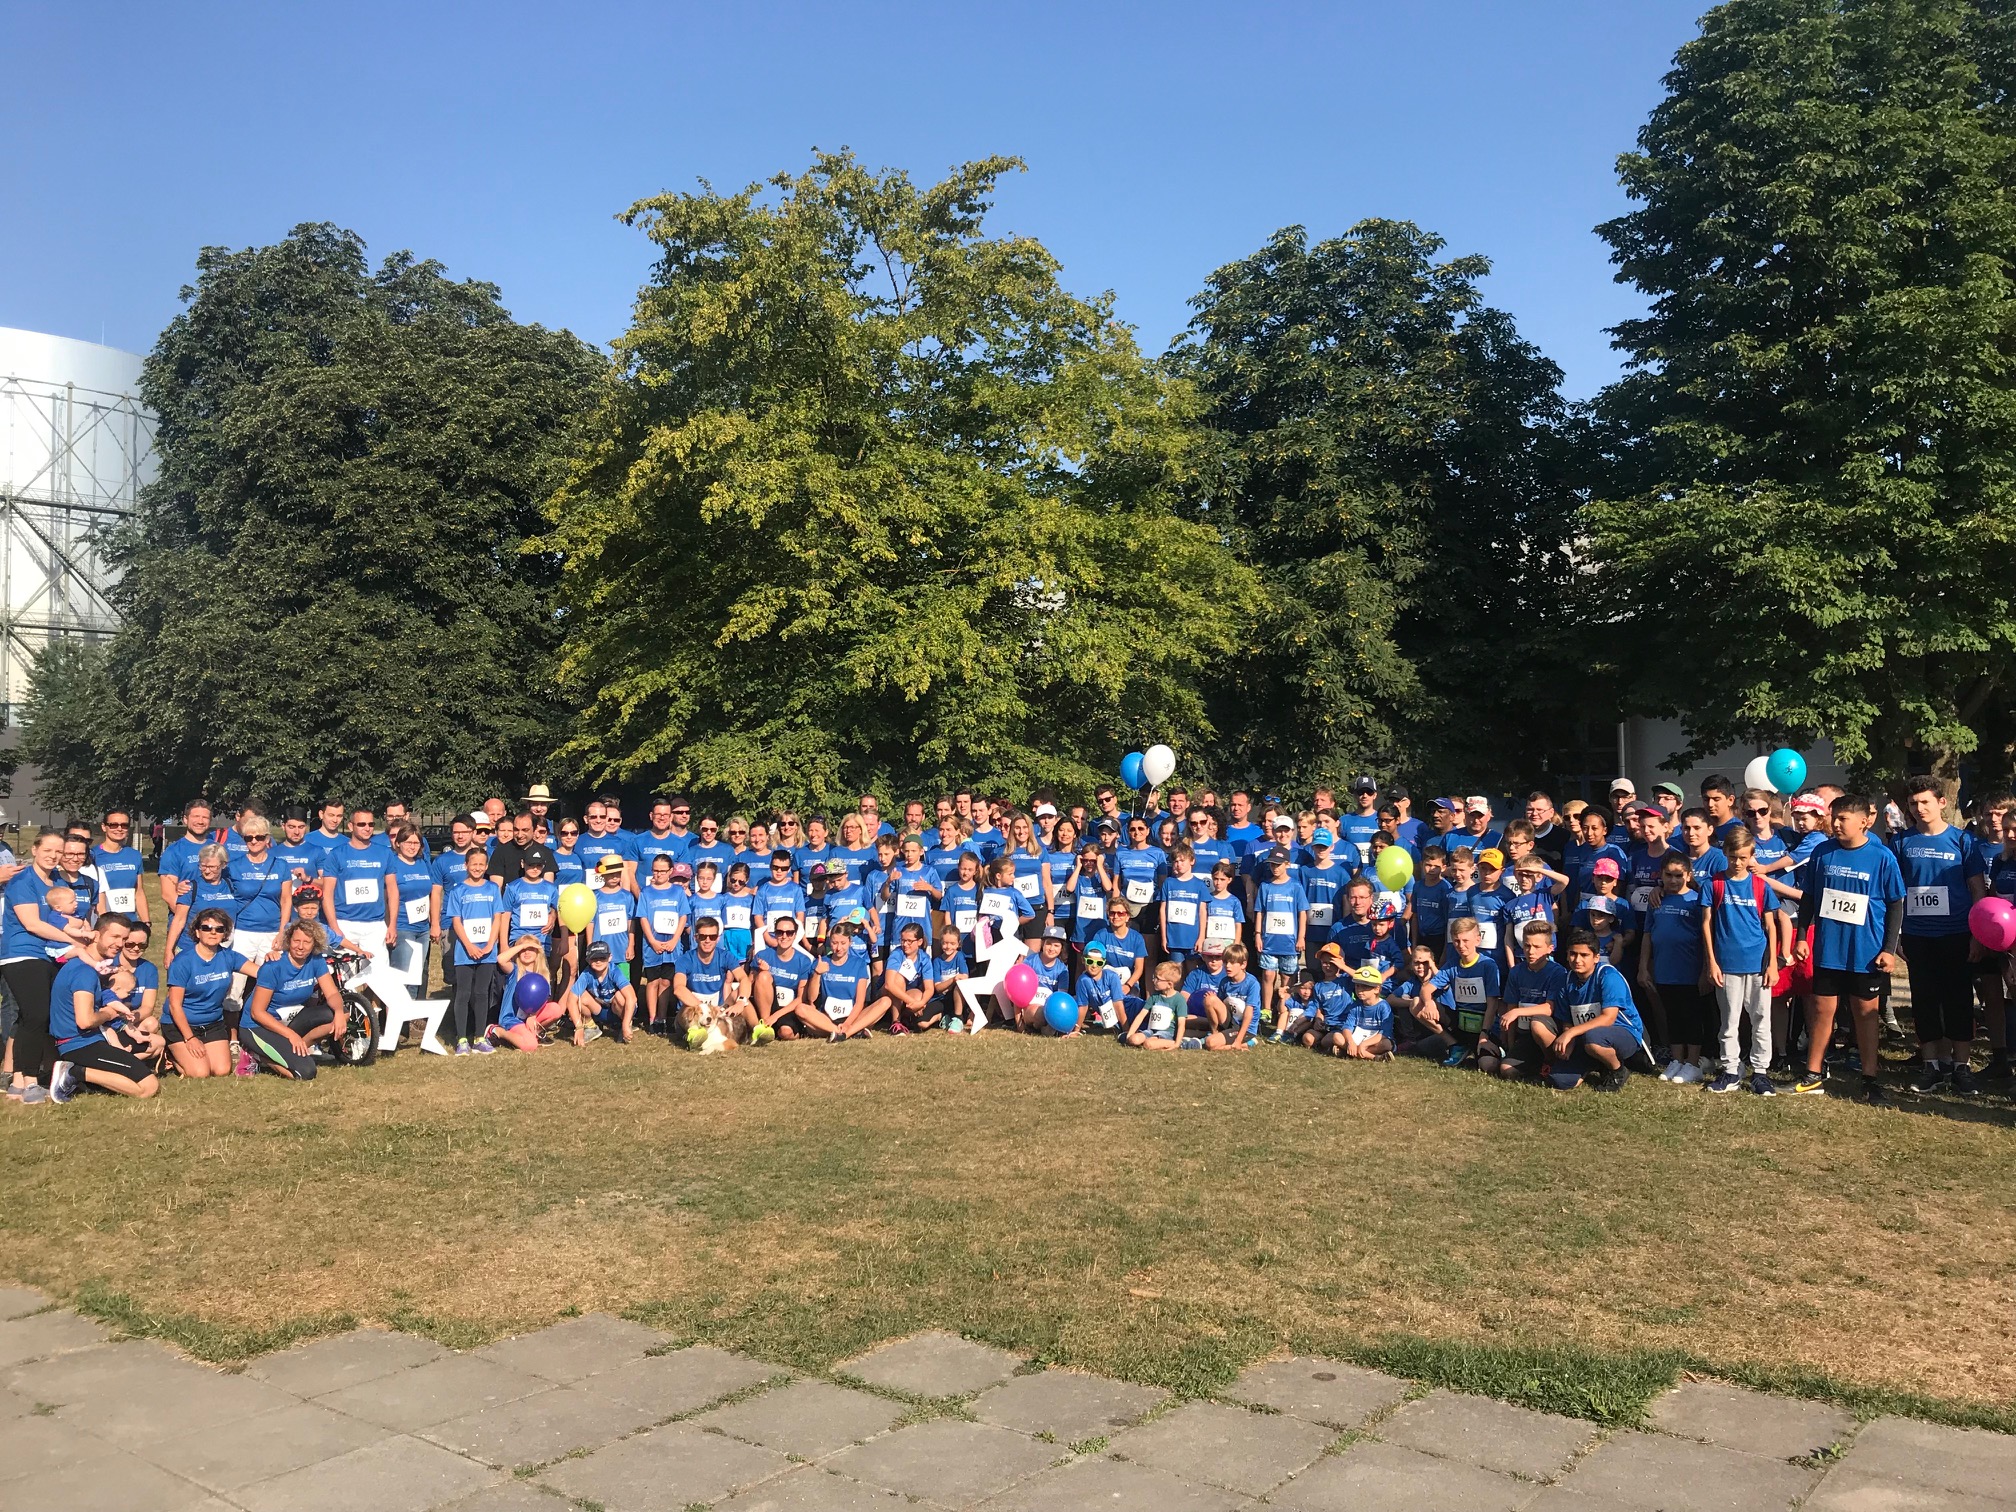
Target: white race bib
1468,989
1641,898
1180,911
838,1009
1362,1036
997,907
416,910
478,930
1140,891
1221,928
912,905
1839,907
360,889
664,922
1321,914
119,899
962,920
611,922
1277,921
1030,886
1926,903
1487,933
736,916
534,912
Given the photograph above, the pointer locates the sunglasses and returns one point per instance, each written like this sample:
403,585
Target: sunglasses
709,934
119,825
784,932
708,829
209,929
1758,813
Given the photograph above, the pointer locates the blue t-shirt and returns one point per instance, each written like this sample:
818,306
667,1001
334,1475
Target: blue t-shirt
318,840
664,910
787,969
1329,1000
1122,950
1709,864
359,876
838,979
1088,905
568,867
204,984
1183,912
1606,988
72,977
1209,853
477,905
988,842
779,900
415,881
961,905
199,895
1006,907
1324,887
944,860
592,848
1855,888
1375,1017
255,890
913,970
602,988
1051,976
1280,906
1242,1001
291,985
1222,918
119,870
648,847
178,857
1528,987
1241,838
707,978
1737,923
15,938
1354,836
614,909
1109,987
533,906
1468,990
1139,872
1674,926
1433,902
1936,870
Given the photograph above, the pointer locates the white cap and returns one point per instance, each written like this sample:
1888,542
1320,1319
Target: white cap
1046,811
478,817
1477,803
1623,785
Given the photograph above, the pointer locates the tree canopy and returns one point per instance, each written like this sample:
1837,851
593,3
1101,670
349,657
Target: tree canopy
1814,449
323,591
874,497
1398,472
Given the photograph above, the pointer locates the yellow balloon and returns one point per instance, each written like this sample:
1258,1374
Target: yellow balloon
1395,867
577,906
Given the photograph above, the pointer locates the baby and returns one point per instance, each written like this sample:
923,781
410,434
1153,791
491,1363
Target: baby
59,906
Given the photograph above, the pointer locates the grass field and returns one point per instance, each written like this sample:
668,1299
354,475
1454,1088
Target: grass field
1166,1219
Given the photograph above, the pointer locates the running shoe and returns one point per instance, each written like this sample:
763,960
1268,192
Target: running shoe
1932,1077
592,1032
1688,1075
1873,1093
1456,1056
897,1026
955,1027
1613,1081
63,1080
1762,1085
34,1092
1671,1073
1190,1042
1964,1082
482,1047
245,1065
1811,1084
1726,1082
462,1047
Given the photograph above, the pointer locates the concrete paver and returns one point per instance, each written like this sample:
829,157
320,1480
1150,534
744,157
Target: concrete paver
1946,1459
326,1365
1844,1490
19,1301
670,1384
396,1474
540,1427
810,1419
811,1490
433,1393
1776,1427
109,1481
1114,1486
1491,1435
1066,1405
933,1365
1318,1390
579,1347
948,1461
665,1470
1375,1477
44,1334
262,1447
1652,1471
1250,1452
31,1444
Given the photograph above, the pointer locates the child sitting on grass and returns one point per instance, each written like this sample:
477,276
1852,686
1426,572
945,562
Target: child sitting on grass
1365,1028
1163,1018
1240,993
514,1028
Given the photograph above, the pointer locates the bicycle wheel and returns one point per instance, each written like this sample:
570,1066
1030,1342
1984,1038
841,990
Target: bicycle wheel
357,1041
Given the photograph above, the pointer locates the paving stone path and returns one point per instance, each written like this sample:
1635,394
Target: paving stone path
597,1413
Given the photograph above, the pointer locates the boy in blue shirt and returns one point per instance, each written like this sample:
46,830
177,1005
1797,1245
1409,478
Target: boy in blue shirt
1471,986
1532,988
1364,1029
1746,937
1240,993
1183,896
1945,874
1281,910
1850,892
1102,991
601,990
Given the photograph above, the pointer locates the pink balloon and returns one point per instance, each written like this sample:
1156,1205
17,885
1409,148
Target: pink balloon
1021,984
1993,921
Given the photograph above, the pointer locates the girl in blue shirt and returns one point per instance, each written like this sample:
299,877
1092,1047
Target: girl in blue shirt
411,878
473,910
1670,967
840,991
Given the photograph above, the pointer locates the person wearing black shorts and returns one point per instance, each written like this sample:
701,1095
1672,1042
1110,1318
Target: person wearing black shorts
79,1009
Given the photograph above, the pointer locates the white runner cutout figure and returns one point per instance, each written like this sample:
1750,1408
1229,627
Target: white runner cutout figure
997,956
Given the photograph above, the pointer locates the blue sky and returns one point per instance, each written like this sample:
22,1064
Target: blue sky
1162,140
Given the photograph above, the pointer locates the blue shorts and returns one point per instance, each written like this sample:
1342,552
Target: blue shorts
1291,961
1616,1037
1197,1001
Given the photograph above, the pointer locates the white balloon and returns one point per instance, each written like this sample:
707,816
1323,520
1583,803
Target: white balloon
1158,763
1755,775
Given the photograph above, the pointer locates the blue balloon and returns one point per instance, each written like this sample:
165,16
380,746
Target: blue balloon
533,994
1786,769
1130,770
1060,1012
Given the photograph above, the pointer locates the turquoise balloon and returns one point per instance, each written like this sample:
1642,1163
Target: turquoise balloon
1786,769
1060,1012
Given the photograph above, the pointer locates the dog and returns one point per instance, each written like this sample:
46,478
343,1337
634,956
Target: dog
714,1027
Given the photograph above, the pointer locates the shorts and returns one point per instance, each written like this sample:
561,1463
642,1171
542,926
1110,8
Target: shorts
101,1056
1617,1037
1196,1003
664,972
1291,961
211,1033
1829,981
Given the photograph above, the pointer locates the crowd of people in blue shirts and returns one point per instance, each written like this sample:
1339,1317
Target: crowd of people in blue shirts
1716,942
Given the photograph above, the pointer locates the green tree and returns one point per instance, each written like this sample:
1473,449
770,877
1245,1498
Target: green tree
873,500
323,591
64,726
1398,468
1808,529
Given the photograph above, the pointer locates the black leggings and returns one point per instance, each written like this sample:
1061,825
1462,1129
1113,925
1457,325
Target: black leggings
470,1006
30,981
1942,986
270,1051
1684,1007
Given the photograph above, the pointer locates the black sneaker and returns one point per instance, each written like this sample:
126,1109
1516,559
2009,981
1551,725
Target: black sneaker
1932,1077
1964,1083
1998,1068
1874,1095
1613,1081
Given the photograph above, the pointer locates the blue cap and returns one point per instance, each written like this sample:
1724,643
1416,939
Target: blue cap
1322,836
1445,805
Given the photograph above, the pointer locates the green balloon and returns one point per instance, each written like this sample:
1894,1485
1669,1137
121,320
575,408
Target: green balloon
1395,867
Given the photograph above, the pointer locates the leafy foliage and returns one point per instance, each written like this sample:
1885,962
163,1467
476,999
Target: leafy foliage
873,495
65,721
1812,508
323,592
1398,471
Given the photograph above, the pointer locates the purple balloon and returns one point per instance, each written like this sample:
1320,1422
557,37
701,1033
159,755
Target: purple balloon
533,993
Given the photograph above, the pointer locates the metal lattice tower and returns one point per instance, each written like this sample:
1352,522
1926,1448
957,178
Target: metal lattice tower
76,446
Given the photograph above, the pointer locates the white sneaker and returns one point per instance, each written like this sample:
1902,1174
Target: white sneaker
1689,1075
1672,1071
63,1080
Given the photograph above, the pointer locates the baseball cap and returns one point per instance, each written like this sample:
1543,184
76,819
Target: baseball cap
478,818
599,951
1334,951
1367,975
1107,827
1283,822
1398,793
1445,805
1054,932
1277,857
836,869
1322,838
1671,790
1809,803
1095,952
1648,808
1364,785
681,872
609,864
1045,811
1477,803
1623,785
1491,856
1605,867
